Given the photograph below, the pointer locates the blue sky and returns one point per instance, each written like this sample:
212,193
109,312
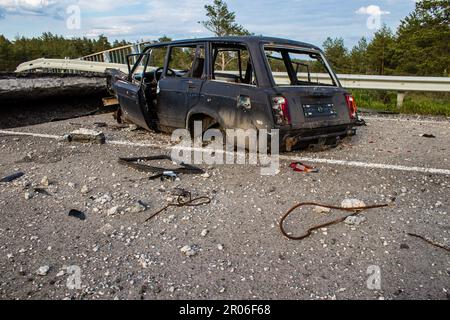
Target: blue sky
306,20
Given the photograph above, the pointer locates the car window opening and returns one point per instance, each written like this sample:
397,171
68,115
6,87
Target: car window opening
292,67
187,62
232,64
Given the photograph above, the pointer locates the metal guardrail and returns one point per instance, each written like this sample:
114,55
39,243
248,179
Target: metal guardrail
394,83
61,65
116,55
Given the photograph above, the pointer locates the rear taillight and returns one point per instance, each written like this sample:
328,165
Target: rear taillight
352,108
281,111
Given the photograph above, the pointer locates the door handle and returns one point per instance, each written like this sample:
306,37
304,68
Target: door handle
192,85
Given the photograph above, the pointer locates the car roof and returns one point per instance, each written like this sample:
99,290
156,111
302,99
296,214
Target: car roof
241,39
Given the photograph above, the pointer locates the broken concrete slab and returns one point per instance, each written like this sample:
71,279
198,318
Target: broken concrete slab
86,136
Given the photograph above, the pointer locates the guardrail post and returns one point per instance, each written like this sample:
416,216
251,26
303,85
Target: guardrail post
400,98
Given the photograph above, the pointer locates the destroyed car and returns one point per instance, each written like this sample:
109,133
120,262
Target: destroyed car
236,83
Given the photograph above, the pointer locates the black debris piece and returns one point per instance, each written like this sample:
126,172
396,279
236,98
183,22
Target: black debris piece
12,177
159,172
77,214
169,175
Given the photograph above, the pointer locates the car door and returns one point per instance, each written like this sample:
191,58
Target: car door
131,93
232,93
180,87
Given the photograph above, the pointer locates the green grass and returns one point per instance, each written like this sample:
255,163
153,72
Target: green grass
434,104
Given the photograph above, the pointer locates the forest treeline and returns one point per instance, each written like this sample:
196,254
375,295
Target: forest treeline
420,46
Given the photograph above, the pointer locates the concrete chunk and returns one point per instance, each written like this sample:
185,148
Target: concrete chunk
86,136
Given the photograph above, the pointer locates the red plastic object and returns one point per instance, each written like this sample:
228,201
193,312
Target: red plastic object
300,167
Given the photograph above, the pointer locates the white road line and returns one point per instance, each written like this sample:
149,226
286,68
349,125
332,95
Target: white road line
406,120
369,165
30,134
353,164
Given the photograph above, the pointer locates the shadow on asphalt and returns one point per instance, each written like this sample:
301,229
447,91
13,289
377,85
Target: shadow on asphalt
26,112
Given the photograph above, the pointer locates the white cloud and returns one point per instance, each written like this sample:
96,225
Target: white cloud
31,7
372,10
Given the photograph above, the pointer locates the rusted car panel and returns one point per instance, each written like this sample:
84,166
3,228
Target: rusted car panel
235,82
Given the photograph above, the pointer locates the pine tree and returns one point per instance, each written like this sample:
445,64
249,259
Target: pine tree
423,40
358,57
381,51
337,54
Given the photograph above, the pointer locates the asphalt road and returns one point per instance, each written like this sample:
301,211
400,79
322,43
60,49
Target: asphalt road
235,246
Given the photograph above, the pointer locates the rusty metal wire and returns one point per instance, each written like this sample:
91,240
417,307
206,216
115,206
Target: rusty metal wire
182,202
356,211
433,243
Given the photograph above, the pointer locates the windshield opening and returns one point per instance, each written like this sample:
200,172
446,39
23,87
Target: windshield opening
297,67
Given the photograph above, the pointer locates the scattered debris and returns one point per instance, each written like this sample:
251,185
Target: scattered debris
84,189
104,199
71,185
12,177
204,233
29,195
353,204
220,247
61,273
169,175
110,101
77,214
170,219
311,230
184,200
106,229
133,127
159,172
429,136
138,208
45,182
355,220
321,210
86,136
300,167
189,251
113,211
43,271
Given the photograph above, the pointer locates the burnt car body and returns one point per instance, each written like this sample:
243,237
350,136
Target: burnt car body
236,82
